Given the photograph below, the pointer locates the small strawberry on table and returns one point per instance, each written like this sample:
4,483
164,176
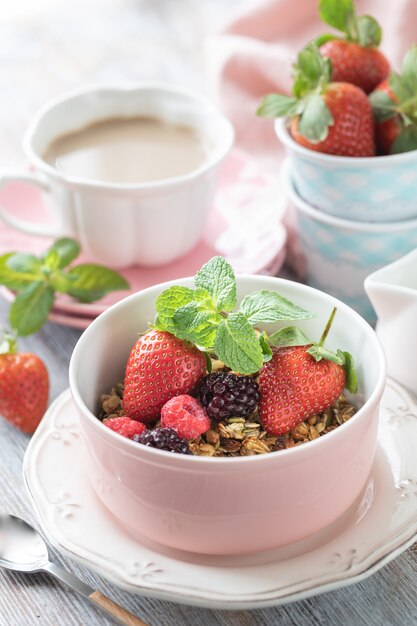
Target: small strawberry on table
24,385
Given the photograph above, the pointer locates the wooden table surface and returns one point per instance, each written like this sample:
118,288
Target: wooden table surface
50,46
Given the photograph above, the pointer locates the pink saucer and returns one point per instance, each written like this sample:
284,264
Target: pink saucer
244,226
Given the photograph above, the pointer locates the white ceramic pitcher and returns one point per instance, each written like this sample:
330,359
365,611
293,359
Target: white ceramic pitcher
393,293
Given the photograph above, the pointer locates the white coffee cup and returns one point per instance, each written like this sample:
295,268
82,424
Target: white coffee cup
117,224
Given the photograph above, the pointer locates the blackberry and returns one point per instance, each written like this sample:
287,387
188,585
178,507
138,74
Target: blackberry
228,395
163,439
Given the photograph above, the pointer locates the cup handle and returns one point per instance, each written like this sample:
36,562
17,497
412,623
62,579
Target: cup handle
31,228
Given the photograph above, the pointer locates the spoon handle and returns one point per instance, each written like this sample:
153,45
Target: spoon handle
118,613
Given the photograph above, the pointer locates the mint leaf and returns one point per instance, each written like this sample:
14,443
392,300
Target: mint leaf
90,281
196,325
51,261
338,13
351,376
237,345
319,353
26,263
11,279
382,105
406,140
289,336
409,69
31,307
276,105
209,364
315,120
268,306
168,302
369,31
265,347
64,250
218,278
60,282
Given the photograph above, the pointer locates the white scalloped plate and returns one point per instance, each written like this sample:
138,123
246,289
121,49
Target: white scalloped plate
376,530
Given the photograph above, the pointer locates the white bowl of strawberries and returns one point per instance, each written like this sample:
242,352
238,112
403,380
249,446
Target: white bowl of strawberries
351,122
266,449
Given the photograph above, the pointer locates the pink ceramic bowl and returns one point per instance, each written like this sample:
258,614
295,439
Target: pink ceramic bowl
226,506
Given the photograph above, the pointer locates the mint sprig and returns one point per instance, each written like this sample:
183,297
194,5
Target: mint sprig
206,317
36,280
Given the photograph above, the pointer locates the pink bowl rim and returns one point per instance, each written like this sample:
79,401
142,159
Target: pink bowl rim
281,130
294,453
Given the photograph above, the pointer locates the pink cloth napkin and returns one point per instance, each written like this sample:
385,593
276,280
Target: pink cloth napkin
253,55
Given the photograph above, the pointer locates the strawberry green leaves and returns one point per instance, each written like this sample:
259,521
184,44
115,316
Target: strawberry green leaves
205,316
311,76
277,105
341,14
311,72
399,101
344,359
315,119
338,13
289,336
37,279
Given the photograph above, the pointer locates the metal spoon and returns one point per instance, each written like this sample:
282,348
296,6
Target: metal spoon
22,549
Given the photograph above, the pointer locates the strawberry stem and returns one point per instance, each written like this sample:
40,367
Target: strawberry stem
327,327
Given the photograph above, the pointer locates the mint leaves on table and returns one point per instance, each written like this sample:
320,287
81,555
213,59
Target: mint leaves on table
37,279
206,316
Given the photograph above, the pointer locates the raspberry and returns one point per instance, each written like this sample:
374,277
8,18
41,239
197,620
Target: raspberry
186,416
125,426
228,395
163,439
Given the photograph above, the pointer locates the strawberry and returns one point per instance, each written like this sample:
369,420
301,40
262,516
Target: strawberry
160,366
356,58
300,381
24,386
352,63
186,416
394,103
351,133
295,386
335,118
124,426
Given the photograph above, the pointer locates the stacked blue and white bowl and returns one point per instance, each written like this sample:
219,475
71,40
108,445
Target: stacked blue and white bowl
351,215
